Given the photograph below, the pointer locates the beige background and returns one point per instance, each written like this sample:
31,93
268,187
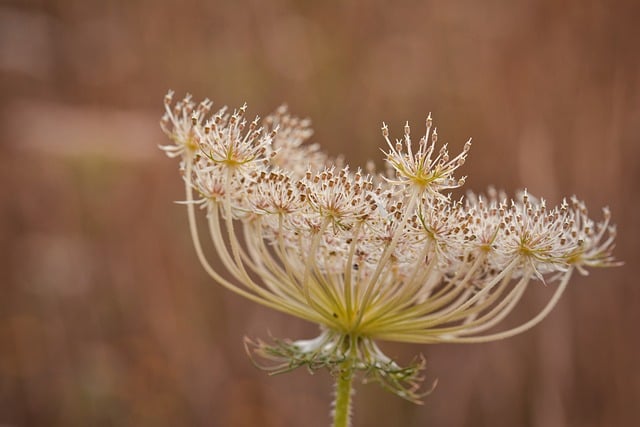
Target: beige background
107,319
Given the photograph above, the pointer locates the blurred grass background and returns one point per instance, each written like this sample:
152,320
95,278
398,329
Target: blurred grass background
106,317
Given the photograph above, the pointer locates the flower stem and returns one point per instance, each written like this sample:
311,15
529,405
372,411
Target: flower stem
342,403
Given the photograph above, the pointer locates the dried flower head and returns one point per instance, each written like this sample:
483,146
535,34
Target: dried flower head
369,256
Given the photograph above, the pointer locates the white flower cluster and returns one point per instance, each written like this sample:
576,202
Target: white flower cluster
370,255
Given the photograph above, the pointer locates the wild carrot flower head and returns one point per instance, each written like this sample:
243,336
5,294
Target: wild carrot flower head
369,256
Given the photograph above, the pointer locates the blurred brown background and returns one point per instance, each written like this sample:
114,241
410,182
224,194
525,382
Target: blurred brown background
107,319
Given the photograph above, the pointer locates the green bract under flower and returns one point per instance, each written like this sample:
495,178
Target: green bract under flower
377,256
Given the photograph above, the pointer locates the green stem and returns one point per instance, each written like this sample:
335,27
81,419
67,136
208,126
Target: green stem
342,404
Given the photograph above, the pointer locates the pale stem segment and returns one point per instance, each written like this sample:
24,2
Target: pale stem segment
342,403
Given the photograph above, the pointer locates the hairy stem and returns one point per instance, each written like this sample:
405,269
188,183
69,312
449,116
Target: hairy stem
342,403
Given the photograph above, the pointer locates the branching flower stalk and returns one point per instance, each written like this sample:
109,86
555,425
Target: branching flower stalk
375,256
